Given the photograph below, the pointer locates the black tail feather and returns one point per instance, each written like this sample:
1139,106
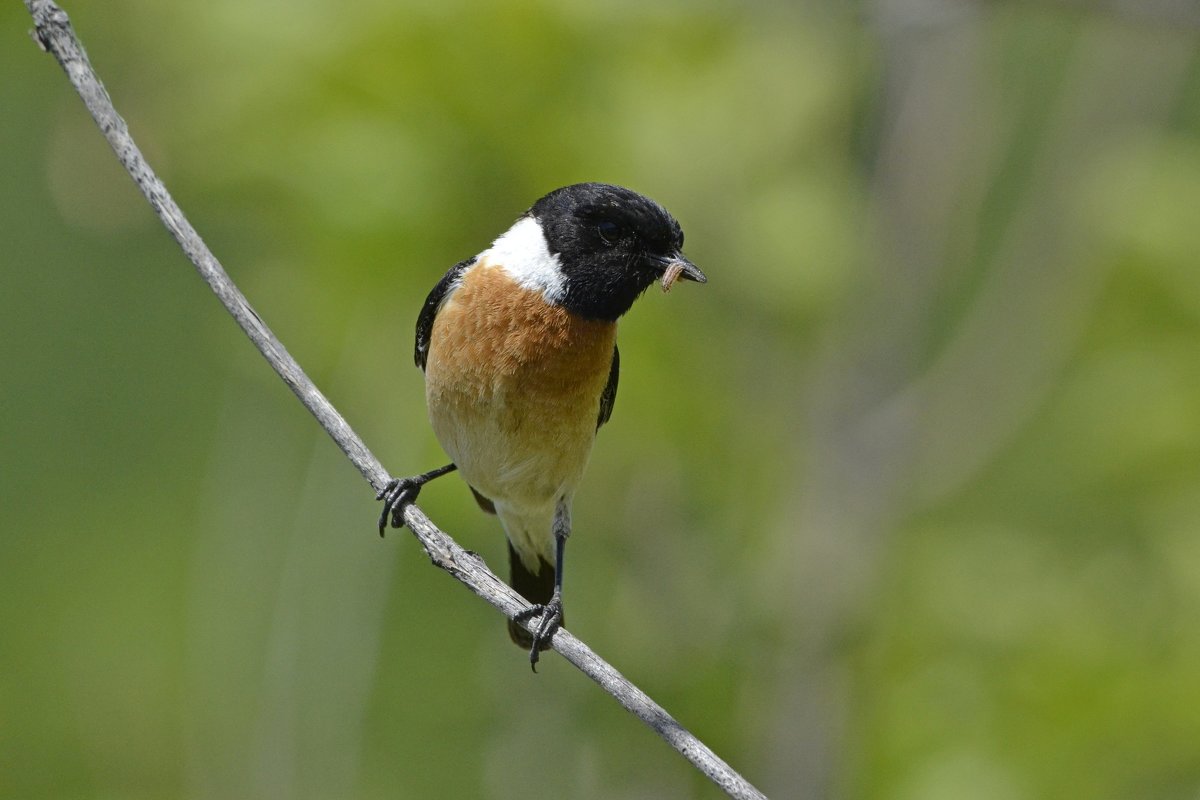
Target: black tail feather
536,588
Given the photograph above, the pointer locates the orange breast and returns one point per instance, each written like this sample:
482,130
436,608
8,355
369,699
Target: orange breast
513,386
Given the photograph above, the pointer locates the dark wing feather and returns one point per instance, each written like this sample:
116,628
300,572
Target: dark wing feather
609,398
430,309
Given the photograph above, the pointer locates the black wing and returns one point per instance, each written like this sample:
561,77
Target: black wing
609,398
430,309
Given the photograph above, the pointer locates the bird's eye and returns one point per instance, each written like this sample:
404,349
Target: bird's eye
609,231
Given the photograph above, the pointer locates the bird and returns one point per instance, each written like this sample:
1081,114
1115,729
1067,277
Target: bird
519,353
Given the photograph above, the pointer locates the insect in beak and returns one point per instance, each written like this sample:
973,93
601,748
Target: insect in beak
678,267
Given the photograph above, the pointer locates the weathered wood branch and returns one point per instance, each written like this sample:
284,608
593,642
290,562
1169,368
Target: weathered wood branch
54,34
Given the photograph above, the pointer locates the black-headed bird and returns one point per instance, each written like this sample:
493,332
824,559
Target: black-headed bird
519,350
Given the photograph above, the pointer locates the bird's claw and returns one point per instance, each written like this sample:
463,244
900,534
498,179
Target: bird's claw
398,494
551,620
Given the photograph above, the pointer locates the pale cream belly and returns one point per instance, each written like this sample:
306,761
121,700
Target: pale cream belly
511,447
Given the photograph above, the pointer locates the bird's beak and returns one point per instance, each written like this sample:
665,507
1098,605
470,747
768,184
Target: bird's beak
677,267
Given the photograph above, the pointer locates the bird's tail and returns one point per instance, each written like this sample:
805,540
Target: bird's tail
536,587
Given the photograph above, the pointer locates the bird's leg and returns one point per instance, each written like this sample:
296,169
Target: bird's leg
552,611
401,492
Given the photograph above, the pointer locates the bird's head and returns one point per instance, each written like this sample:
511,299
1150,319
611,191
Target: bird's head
610,244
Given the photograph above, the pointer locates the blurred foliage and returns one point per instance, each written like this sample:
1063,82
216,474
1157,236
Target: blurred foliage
903,503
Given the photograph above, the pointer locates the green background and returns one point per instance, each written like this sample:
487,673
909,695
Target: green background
903,503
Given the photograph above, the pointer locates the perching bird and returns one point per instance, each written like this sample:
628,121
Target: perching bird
518,345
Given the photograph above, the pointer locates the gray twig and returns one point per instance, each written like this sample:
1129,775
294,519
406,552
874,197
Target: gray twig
53,33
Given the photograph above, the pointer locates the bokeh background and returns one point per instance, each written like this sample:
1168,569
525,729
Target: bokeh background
904,503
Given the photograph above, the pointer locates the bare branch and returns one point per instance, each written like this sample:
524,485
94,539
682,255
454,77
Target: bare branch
54,34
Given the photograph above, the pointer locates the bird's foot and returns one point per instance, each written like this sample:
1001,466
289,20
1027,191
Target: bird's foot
551,620
398,494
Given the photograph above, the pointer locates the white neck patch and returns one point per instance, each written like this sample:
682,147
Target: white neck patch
522,252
